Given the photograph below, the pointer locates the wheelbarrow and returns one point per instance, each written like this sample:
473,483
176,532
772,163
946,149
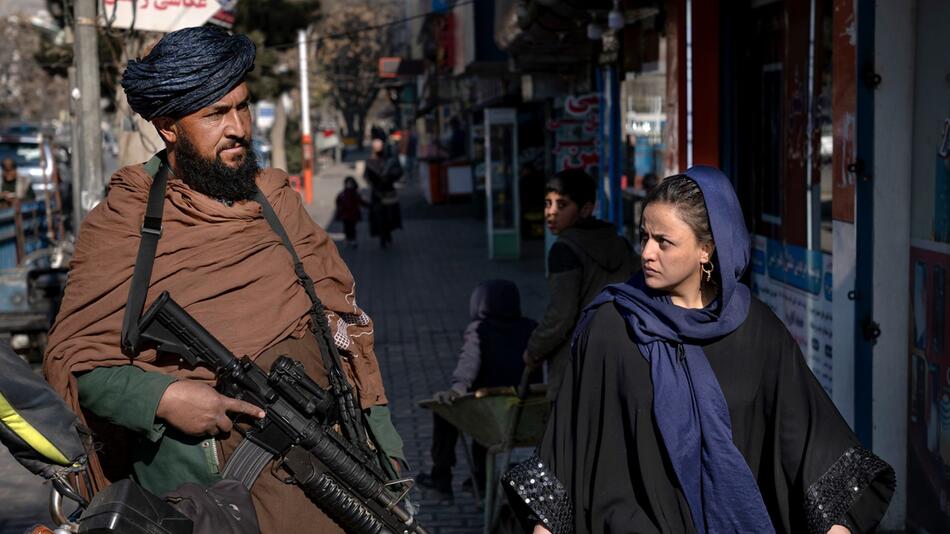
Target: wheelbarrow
500,420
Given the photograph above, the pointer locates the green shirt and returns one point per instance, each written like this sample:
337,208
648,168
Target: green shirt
162,458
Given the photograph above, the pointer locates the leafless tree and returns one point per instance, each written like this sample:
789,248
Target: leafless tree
27,91
352,38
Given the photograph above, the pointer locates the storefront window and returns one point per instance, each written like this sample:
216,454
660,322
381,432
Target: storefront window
643,95
502,176
825,126
501,186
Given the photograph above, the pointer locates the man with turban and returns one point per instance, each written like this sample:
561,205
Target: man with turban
153,416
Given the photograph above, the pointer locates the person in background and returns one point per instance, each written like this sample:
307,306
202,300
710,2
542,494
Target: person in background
587,256
348,204
650,180
381,173
412,148
15,186
490,357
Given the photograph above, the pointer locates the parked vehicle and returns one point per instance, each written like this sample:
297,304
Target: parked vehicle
30,294
34,250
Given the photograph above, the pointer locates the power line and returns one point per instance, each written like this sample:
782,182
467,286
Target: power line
370,28
340,35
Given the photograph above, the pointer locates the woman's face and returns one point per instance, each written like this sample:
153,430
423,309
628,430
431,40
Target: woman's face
672,256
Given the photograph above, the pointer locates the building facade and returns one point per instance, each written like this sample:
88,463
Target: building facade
831,117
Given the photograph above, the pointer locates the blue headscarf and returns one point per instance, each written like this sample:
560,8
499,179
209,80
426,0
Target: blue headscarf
688,403
187,70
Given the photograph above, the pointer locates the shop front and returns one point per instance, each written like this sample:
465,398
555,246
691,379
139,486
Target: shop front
928,349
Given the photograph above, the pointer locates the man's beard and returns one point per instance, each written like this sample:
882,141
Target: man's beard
212,177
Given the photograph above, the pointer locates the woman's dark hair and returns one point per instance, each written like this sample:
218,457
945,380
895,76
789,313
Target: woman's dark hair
348,180
681,192
574,184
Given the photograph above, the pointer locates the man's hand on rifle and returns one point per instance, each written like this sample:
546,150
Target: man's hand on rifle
196,409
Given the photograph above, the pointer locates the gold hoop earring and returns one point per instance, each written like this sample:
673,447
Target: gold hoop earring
709,272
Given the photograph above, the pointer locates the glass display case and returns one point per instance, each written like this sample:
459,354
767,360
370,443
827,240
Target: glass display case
501,183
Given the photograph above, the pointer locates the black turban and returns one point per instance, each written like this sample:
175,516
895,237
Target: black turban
186,71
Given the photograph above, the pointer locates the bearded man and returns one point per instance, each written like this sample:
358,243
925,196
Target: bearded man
222,262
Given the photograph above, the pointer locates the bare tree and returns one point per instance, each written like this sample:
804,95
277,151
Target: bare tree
272,26
27,91
352,39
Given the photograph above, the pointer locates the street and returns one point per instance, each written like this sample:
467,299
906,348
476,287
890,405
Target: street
417,292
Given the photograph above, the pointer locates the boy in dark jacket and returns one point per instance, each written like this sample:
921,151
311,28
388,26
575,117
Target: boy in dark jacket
490,357
588,255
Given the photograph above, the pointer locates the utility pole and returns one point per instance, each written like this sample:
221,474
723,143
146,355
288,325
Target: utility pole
90,134
75,149
305,138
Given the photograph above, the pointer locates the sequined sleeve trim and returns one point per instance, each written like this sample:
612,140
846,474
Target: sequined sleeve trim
541,492
830,498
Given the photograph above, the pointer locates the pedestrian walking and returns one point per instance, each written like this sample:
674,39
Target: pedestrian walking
381,172
688,406
348,204
490,357
238,251
587,256
412,147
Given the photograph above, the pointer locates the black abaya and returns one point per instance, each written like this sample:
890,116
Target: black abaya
384,214
611,472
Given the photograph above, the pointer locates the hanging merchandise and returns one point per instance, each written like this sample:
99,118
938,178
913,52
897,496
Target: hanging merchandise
928,453
941,225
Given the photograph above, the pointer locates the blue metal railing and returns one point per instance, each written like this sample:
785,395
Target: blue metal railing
32,221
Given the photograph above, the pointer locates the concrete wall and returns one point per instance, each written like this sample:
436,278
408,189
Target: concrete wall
843,268
894,50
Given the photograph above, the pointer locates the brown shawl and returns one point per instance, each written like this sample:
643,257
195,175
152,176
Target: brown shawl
224,265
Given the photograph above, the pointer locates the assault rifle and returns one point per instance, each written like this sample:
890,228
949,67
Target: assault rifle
341,476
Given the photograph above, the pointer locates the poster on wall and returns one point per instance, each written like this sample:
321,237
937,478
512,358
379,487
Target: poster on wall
575,133
575,124
167,15
796,284
843,109
928,436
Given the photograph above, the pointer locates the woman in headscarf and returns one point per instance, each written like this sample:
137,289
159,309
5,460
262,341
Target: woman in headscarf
688,406
381,173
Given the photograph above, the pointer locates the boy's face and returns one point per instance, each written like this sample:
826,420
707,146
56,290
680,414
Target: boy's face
561,213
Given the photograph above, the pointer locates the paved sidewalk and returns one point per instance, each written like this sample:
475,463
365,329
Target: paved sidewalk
24,497
418,292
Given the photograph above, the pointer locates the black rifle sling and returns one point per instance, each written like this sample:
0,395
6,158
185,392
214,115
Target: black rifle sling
142,274
351,419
